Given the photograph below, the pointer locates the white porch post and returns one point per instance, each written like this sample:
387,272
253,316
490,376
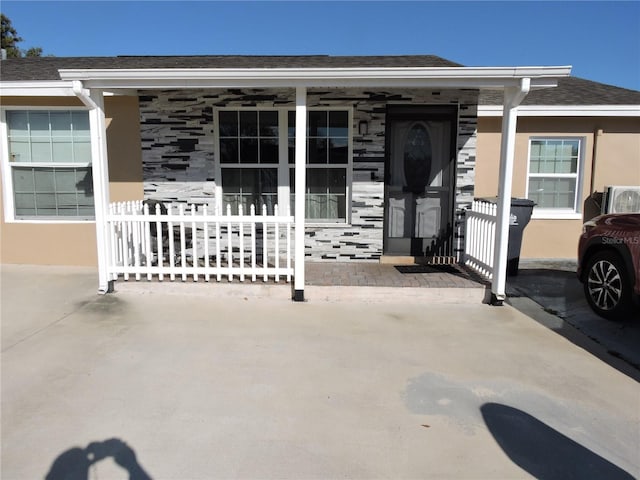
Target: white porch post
512,98
100,170
300,183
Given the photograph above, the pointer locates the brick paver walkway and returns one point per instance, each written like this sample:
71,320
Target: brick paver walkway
380,275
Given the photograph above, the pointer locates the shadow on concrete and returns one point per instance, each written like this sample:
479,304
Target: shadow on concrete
564,309
74,464
542,451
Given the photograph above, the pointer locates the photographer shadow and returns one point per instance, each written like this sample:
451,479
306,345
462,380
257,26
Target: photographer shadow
74,464
542,451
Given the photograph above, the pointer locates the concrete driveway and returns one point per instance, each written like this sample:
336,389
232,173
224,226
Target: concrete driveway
153,384
555,286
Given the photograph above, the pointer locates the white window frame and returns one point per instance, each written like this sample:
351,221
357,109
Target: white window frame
219,166
283,166
6,168
558,213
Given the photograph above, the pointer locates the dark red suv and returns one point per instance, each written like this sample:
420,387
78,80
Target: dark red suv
609,264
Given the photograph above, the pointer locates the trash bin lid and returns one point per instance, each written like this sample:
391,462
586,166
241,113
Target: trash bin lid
522,202
488,199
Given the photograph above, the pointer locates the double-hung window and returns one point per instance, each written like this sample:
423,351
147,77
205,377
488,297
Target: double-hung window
327,164
48,165
554,174
249,158
257,161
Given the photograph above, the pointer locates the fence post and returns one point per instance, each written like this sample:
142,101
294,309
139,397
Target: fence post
159,243
172,247
183,245
253,243
218,213
194,243
205,238
229,245
136,239
265,250
241,240
147,238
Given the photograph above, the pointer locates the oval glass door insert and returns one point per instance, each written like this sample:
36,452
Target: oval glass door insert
417,158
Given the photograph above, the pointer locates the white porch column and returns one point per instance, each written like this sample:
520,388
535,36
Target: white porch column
512,98
300,183
100,168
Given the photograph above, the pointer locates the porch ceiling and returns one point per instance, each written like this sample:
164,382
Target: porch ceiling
398,77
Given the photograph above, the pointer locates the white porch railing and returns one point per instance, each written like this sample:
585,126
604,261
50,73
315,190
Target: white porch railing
197,242
480,234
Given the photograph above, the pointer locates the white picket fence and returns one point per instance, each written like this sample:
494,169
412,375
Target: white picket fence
480,234
198,241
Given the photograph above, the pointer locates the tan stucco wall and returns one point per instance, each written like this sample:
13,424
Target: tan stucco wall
617,163
75,243
124,148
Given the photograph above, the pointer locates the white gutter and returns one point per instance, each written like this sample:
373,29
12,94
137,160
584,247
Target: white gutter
564,111
53,88
469,77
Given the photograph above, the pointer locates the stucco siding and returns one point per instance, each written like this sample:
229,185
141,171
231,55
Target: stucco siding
124,148
61,243
617,162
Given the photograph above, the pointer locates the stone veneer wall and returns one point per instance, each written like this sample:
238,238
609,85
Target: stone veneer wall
177,134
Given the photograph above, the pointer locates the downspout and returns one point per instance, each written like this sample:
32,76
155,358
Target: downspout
83,94
94,101
512,99
596,135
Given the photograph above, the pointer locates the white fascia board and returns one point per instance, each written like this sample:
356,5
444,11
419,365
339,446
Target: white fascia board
54,88
461,77
564,111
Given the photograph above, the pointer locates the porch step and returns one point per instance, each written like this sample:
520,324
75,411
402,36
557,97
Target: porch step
313,293
342,281
405,295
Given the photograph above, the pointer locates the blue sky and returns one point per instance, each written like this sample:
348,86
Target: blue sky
600,39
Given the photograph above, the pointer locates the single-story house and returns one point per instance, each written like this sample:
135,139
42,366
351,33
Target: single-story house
390,152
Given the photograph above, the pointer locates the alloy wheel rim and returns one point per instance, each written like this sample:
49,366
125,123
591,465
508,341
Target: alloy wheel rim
605,285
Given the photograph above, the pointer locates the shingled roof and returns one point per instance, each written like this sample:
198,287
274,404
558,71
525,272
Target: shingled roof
46,68
571,91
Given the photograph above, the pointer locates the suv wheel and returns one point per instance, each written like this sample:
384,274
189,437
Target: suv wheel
606,285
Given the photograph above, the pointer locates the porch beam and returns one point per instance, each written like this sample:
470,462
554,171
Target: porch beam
94,99
300,185
512,99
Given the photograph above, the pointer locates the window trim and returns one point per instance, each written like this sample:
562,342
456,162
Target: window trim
558,213
283,165
6,170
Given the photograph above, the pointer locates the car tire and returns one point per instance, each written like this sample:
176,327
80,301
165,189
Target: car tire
607,286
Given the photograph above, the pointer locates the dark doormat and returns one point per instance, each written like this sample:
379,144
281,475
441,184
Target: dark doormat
428,269
452,269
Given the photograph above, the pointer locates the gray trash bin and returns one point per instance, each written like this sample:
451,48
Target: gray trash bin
520,214
521,210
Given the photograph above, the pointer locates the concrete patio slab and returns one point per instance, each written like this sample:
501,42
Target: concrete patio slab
195,386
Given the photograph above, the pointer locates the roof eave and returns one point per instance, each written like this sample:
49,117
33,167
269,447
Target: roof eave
33,88
564,110
440,77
